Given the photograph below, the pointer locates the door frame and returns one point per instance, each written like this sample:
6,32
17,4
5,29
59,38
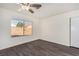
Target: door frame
70,32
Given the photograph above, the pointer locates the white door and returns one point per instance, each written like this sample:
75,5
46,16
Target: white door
75,32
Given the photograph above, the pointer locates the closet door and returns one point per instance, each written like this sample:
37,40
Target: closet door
75,32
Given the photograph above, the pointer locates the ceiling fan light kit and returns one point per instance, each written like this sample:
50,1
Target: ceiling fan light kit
28,7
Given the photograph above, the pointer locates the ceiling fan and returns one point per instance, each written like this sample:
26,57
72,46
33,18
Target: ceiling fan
29,6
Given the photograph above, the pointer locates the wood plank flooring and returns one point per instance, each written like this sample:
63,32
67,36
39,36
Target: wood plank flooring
40,48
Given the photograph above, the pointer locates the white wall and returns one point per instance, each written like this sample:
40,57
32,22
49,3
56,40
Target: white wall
56,28
5,36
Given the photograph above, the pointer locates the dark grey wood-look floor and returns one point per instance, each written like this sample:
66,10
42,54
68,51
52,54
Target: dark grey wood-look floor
40,48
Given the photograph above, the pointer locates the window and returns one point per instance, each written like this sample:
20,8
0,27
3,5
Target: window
21,27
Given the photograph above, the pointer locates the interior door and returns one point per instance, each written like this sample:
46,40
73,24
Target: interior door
75,32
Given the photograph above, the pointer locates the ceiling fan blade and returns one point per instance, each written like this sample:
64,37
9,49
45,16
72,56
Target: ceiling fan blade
37,6
31,10
25,4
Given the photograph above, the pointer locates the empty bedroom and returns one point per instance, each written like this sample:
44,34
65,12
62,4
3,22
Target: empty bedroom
39,29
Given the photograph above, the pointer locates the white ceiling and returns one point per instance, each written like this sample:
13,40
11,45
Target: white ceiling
46,10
